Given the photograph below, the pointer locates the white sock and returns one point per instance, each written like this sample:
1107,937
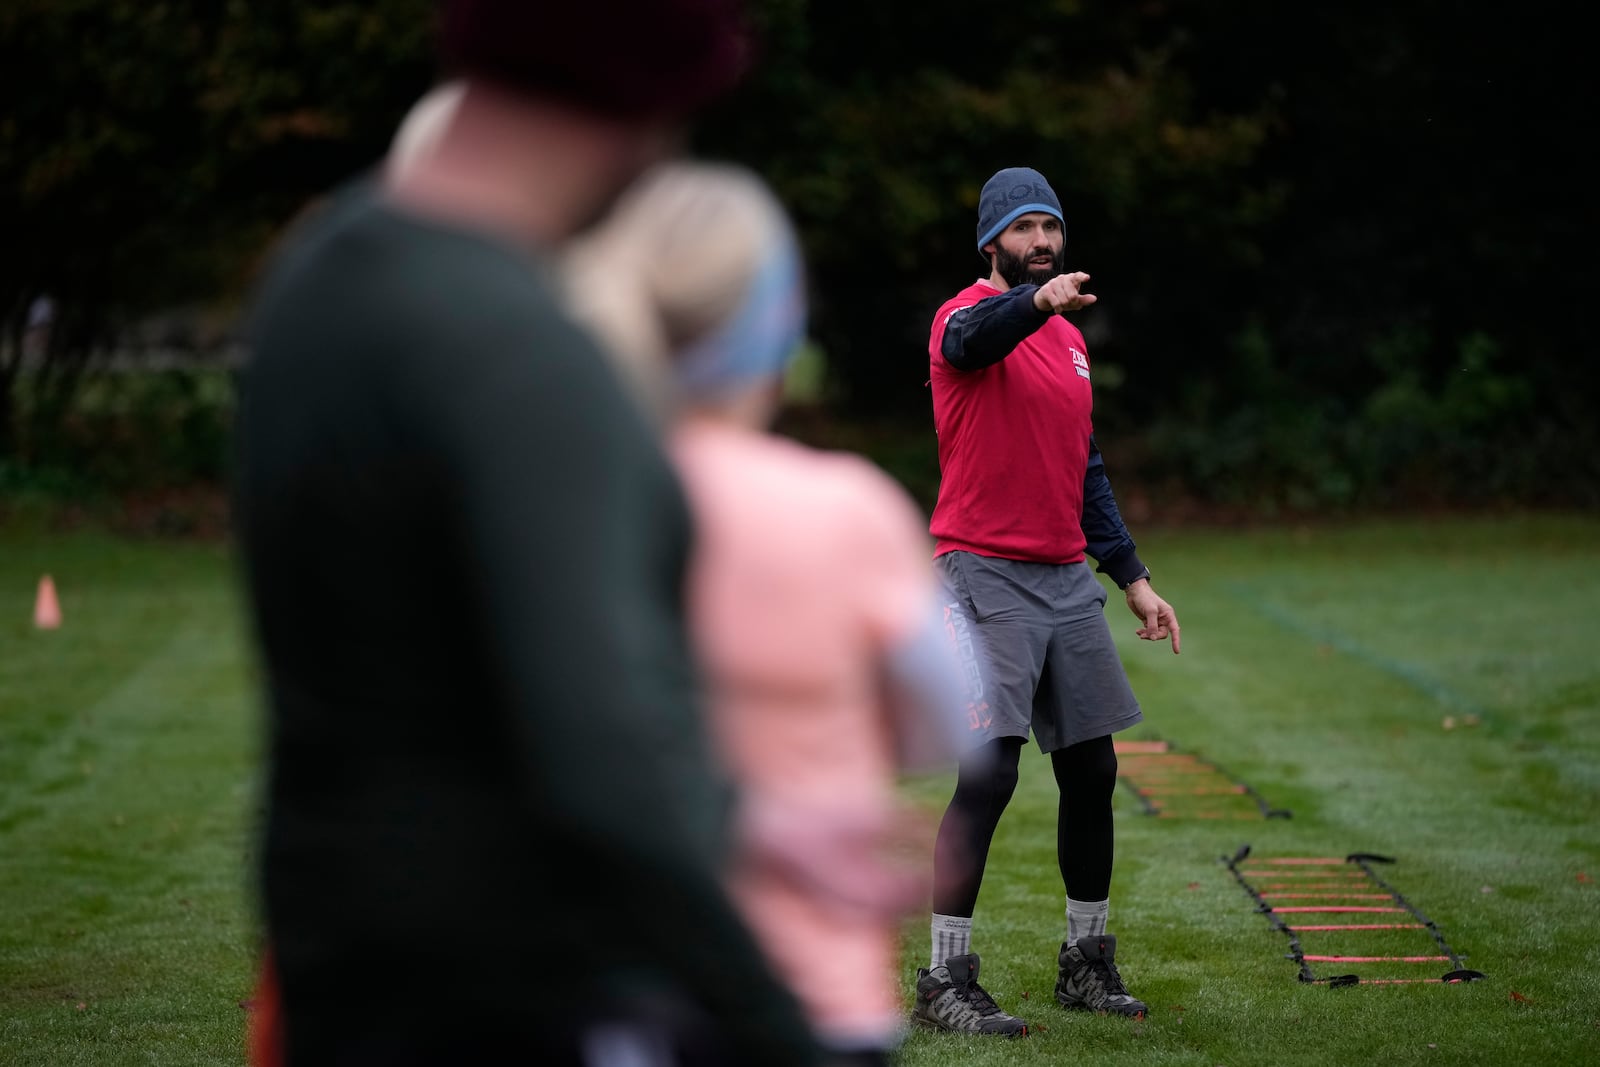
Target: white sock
952,936
1086,918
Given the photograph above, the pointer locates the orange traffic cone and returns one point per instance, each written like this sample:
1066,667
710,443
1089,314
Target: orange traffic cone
46,608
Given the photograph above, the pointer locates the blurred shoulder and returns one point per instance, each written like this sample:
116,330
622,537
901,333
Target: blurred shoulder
791,481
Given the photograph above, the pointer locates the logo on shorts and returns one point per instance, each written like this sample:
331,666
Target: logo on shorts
957,629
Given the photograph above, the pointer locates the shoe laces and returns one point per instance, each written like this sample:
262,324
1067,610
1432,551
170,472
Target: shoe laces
979,998
1109,977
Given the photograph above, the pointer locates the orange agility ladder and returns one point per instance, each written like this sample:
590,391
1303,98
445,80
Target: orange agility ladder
1171,784
1289,887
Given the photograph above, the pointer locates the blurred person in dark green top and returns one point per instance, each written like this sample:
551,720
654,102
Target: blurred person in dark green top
491,817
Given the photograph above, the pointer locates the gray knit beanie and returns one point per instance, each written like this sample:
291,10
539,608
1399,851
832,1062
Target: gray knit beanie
1012,192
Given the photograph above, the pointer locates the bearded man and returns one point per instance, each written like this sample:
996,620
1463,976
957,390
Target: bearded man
1023,499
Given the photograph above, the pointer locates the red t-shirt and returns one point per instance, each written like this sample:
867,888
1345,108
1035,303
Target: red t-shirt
1013,444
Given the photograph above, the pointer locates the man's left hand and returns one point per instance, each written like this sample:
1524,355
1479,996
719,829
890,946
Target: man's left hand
1160,621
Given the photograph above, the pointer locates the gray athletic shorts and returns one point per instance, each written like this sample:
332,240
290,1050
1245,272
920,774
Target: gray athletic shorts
1036,649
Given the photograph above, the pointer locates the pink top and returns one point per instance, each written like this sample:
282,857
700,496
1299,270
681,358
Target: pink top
1013,443
810,565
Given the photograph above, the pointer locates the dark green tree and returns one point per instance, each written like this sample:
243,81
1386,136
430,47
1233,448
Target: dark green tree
879,129
1342,250
1433,243
148,150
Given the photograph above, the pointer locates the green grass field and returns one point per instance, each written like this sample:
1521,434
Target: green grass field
1320,665
127,779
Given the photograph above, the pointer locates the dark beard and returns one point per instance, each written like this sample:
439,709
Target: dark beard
1015,270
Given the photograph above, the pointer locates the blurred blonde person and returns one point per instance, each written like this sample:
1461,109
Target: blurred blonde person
811,604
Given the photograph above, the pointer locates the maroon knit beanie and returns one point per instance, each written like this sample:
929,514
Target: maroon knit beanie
630,59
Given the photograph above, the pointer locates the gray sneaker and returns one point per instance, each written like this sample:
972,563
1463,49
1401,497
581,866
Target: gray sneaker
1089,979
950,998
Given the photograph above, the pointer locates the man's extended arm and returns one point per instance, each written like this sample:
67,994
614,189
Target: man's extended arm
985,333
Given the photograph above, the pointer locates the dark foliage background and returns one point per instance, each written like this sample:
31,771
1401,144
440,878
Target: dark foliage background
1342,250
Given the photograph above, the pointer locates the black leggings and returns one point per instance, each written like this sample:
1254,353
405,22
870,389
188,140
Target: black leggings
1086,776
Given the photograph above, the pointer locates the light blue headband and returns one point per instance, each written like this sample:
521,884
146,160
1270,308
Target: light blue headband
760,339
